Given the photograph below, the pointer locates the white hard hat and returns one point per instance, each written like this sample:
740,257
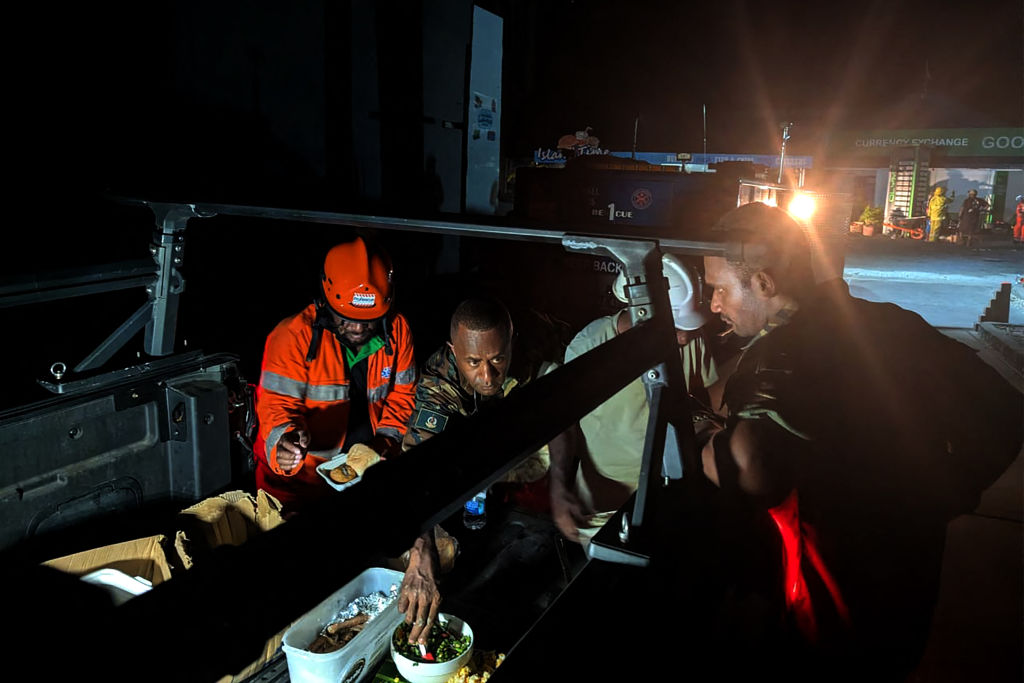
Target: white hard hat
684,297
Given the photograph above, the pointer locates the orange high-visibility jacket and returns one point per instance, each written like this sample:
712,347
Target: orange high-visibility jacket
296,394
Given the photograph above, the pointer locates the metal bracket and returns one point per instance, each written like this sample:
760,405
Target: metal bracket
641,264
160,313
669,423
168,251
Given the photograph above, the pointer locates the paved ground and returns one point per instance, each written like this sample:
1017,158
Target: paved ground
947,284
977,633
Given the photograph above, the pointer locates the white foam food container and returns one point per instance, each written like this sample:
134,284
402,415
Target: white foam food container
324,470
353,662
121,586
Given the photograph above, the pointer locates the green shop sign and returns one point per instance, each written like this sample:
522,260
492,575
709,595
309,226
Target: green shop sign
964,142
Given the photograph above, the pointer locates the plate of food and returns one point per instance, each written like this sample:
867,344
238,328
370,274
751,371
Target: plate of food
337,473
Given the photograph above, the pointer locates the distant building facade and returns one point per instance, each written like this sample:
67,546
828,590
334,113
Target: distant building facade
899,169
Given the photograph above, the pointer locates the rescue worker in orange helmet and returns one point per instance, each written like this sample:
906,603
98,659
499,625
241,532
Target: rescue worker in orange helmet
339,376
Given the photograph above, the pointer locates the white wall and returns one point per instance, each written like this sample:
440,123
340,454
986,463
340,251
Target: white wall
446,33
483,116
881,186
958,181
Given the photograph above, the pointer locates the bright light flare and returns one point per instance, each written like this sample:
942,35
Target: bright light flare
802,207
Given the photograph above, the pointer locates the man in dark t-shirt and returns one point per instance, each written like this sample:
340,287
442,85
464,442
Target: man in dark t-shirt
860,431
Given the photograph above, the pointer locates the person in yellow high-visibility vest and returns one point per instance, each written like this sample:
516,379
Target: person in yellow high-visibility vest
937,213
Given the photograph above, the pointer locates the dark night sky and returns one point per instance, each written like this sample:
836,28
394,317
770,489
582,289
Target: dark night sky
820,64
89,84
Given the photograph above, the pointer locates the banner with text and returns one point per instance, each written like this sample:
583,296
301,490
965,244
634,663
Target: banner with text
973,142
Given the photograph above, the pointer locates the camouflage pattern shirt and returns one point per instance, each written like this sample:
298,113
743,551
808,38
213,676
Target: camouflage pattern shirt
444,398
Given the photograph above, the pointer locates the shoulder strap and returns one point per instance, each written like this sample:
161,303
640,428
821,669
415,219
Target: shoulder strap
318,332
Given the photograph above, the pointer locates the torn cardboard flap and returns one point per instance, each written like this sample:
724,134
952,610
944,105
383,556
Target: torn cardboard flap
143,557
181,549
228,519
268,511
216,522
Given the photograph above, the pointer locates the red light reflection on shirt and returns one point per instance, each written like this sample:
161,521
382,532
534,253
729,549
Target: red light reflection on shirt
799,541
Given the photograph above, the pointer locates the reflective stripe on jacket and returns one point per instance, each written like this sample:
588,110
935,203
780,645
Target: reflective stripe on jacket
296,394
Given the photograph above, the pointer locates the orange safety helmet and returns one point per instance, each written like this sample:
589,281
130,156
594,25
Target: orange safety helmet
356,281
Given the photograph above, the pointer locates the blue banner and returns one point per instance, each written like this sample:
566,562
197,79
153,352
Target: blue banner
673,159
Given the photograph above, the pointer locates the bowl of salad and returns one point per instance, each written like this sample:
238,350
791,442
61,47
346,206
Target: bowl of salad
449,646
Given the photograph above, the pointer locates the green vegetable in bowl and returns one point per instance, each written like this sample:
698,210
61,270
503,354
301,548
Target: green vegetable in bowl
442,644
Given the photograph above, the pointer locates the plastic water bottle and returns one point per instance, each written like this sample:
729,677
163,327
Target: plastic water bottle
474,513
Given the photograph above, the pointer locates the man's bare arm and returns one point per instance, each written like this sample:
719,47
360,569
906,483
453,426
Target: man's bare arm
753,457
566,509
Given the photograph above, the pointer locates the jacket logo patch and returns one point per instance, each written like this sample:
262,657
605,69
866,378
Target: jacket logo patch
386,372
431,421
364,300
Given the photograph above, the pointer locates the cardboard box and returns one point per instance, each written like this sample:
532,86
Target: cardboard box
143,557
230,518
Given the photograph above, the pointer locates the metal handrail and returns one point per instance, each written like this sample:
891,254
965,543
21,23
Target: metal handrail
499,228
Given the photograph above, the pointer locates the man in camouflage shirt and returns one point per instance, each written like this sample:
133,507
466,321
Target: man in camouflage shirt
465,377
473,371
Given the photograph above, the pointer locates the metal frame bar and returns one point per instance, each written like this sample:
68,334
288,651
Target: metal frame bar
497,230
72,283
118,338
